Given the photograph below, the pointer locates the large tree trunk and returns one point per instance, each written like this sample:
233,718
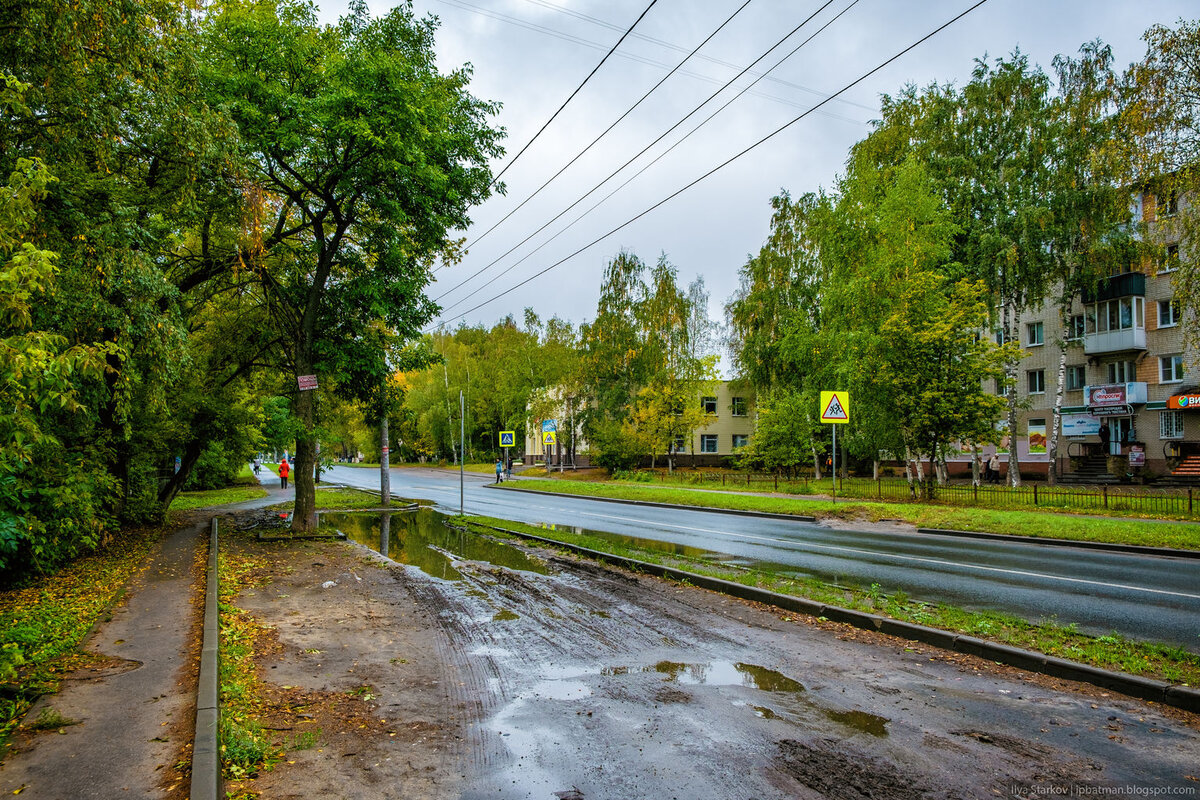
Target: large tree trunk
304,517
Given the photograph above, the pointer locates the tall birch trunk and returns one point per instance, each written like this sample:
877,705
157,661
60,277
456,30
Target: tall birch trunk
1009,323
1056,419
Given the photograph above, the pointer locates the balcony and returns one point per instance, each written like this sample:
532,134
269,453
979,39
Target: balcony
1114,341
1127,284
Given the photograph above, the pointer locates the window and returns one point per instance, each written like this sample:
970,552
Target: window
1122,372
1035,334
1001,337
679,445
1171,262
1037,381
740,440
1076,377
739,406
1001,387
1170,203
709,404
1075,327
1120,314
1168,313
1170,369
708,443
1170,425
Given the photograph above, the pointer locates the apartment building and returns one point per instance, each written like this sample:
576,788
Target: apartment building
1129,387
729,426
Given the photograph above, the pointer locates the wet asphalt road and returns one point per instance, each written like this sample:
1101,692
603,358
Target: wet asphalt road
1145,597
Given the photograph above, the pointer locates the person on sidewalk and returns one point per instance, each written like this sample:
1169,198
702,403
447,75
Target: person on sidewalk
284,469
499,471
994,468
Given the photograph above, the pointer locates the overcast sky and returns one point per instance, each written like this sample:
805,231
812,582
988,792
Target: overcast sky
531,54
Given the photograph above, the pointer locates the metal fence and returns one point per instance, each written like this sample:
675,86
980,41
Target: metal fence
1162,502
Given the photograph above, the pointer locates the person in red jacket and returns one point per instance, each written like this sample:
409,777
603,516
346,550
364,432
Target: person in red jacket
284,469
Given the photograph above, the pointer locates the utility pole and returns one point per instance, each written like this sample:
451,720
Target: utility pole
385,477
462,429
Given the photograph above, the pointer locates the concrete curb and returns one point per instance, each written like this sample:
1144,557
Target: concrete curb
206,762
1003,537
647,504
1078,543
1182,697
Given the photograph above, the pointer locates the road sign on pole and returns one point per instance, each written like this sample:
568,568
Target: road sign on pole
835,407
549,437
508,438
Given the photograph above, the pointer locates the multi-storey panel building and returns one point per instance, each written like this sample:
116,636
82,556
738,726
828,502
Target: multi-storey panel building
1128,381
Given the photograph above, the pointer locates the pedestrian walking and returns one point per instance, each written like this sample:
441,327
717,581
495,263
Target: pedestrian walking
284,469
508,470
1105,436
993,466
499,471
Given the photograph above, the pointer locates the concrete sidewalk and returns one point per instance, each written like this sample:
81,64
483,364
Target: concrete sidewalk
134,716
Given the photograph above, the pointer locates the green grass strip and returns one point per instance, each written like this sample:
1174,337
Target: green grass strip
1112,652
186,501
1048,525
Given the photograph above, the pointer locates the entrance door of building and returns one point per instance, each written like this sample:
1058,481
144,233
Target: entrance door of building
1121,430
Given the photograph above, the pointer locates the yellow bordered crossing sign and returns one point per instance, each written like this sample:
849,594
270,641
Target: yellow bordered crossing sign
835,407
549,437
508,438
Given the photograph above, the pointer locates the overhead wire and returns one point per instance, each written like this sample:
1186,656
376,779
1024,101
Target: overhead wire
632,177
605,132
596,69
639,154
720,166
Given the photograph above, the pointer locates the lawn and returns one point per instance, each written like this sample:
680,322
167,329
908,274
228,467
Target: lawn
1041,524
342,497
186,501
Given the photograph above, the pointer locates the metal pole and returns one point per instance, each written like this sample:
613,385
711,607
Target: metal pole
462,429
833,461
385,477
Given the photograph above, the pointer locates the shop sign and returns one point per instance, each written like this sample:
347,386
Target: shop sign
1137,456
1110,395
1080,425
1112,411
1184,402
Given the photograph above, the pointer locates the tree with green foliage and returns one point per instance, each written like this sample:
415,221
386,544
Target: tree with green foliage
52,500
358,158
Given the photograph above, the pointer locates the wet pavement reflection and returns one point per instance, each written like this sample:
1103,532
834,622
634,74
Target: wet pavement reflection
422,539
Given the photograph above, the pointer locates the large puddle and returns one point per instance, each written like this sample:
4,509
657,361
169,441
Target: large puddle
422,539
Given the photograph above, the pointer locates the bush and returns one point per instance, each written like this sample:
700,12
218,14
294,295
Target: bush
215,469
615,448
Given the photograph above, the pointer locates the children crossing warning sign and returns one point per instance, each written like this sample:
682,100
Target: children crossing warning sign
835,407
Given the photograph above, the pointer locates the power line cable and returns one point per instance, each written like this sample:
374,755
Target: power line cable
639,154
668,45
720,166
634,176
605,132
577,89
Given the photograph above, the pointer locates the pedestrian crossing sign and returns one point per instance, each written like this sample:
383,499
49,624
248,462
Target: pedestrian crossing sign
835,407
508,439
549,437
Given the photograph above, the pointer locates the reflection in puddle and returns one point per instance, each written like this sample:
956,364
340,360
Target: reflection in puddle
422,539
717,673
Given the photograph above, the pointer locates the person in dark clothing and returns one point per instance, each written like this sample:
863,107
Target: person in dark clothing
1105,436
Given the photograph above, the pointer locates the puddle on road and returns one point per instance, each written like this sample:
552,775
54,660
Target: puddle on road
422,539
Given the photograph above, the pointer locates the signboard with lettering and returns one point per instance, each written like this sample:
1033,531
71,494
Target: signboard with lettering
1184,402
1137,456
306,382
1110,395
1080,425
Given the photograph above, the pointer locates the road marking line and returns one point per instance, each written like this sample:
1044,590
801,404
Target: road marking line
921,559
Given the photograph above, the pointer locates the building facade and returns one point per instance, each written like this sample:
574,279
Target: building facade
1128,383
729,415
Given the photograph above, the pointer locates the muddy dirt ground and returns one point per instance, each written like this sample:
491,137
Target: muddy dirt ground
551,677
